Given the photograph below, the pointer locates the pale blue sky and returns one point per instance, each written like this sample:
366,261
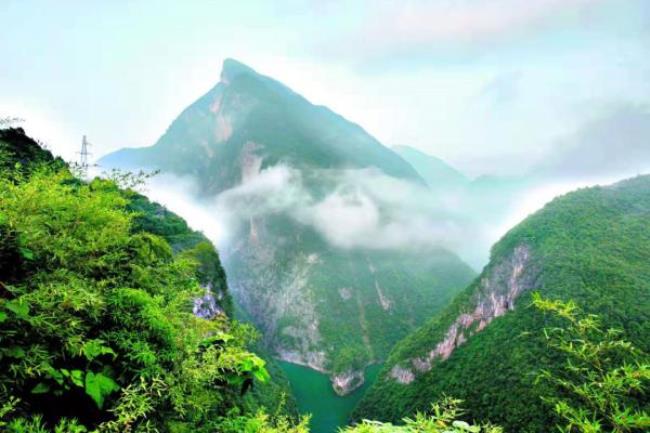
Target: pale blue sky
490,85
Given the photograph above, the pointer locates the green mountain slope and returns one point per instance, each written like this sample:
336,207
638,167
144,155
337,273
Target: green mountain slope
331,307
338,310
436,173
592,246
67,250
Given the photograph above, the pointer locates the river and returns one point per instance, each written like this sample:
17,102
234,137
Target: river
314,394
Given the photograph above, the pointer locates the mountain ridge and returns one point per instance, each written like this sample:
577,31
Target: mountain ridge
438,174
239,79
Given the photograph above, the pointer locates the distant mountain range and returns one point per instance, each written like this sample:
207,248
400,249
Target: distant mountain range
436,173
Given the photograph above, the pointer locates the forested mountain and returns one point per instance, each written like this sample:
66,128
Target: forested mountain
290,173
487,348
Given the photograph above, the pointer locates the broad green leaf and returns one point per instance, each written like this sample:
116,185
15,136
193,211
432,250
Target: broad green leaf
77,377
261,374
26,253
21,310
91,349
41,388
246,364
99,386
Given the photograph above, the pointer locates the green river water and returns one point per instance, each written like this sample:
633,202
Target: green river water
315,395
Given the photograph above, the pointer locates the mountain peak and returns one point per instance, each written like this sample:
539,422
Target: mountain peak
232,68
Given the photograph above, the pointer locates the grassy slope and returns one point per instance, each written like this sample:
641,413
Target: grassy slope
592,246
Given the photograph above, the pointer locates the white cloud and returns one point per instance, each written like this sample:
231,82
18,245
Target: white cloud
178,194
360,208
344,218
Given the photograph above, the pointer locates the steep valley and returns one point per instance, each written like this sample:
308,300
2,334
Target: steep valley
315,396
291,177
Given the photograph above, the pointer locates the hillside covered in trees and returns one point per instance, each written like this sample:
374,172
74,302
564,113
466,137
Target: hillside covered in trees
487,348
114,315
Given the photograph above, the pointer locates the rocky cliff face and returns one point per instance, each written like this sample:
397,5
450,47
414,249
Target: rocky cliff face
497,294
207,306
346,382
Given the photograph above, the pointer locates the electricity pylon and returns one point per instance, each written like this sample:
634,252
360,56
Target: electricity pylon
83,159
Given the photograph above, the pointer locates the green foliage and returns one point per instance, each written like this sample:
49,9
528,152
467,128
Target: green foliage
442,418
605,382
96,323
153,218
261,422
19,153
97,386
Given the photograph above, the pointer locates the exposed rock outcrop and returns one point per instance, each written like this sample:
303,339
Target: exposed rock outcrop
402,375
496,294
346,382
206,306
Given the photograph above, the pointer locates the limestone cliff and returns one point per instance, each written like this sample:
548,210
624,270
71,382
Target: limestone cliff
496,294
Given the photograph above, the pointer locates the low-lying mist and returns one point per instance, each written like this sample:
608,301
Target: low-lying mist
355,208
363,208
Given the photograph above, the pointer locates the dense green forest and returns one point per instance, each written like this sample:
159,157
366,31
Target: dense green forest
591,246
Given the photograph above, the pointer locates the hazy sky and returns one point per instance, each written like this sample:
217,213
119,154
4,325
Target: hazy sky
490,85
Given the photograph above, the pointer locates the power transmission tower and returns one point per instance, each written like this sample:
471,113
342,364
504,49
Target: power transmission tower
83,160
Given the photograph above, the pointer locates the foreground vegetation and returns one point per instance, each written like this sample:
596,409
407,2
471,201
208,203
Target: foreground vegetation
97,330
